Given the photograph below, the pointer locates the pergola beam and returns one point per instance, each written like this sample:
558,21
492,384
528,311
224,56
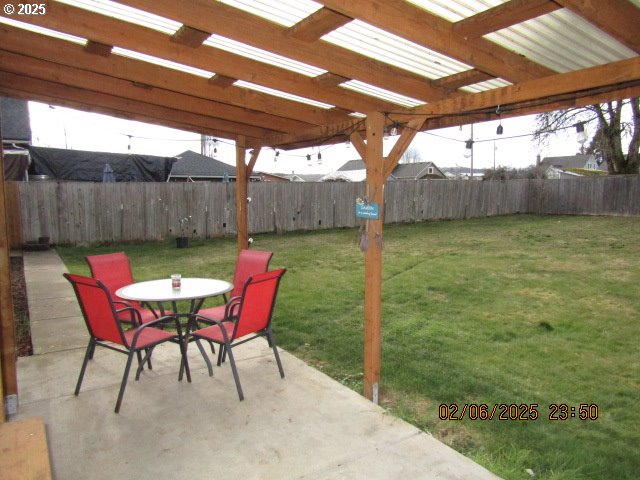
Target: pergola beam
24,87
249,121
66,53
503,16
317,24
250,29
111,31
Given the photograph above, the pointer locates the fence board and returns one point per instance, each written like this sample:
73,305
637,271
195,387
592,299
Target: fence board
81,213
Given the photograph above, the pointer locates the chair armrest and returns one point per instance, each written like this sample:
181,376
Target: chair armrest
211,321
231,307
153,323
135,314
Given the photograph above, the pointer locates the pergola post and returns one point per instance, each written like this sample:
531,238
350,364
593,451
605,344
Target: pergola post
243,173
373,258
9,384
242,216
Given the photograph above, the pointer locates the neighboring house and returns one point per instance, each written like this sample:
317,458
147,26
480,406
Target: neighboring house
194,167
306,177
573,166
462,173
272,177
355,171
417,171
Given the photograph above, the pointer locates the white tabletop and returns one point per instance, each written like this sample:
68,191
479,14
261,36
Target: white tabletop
161,291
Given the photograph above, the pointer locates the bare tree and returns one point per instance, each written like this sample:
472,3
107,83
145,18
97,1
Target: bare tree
411,155
607,142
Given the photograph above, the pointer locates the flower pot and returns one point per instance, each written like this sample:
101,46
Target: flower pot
182,242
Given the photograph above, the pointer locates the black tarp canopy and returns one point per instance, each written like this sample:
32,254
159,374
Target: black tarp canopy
79,165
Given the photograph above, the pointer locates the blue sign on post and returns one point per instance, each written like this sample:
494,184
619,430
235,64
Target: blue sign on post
367,210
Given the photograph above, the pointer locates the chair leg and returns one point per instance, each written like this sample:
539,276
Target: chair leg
205,356
87,356
184,361
125,376
272,343
234,370
142,361
93,349
222,354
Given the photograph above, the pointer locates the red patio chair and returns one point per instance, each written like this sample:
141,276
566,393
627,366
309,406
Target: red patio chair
106,330
114,271
250,262
248,315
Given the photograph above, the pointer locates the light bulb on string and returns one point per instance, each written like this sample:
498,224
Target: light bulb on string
394,129
581,134
319,158
308,160
275,158
467,148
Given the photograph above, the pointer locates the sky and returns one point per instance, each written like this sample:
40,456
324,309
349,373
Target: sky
60,127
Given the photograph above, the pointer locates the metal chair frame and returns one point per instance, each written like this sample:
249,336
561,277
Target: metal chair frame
234,313
122,344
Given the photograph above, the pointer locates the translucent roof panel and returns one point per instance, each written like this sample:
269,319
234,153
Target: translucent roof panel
456,10
381,93
127,14
262,56
281,94
561,41
484,86
162,62
282,12
386,47
44,31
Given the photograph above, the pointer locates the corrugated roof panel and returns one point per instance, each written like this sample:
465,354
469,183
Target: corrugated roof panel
127,14
283,12
381,93
456,10
162,62
562,41
44,31
264,56
386,47
487,85
281,94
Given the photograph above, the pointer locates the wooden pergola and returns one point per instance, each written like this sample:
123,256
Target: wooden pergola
505,58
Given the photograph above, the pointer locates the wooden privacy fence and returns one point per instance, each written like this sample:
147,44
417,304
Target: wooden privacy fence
84,213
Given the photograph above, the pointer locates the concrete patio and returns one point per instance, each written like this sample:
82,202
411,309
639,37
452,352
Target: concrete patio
305,426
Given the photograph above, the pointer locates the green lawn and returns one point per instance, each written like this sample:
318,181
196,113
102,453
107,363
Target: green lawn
509,310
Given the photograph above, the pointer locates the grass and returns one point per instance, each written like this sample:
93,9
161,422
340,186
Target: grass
508,310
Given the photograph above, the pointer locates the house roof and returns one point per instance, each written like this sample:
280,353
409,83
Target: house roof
355,171
292,73
352,165
192,164
569,161
416,170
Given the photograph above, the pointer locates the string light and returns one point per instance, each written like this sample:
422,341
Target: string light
499,130
308,160
319,158
582,136
394,129
467,148
275,158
